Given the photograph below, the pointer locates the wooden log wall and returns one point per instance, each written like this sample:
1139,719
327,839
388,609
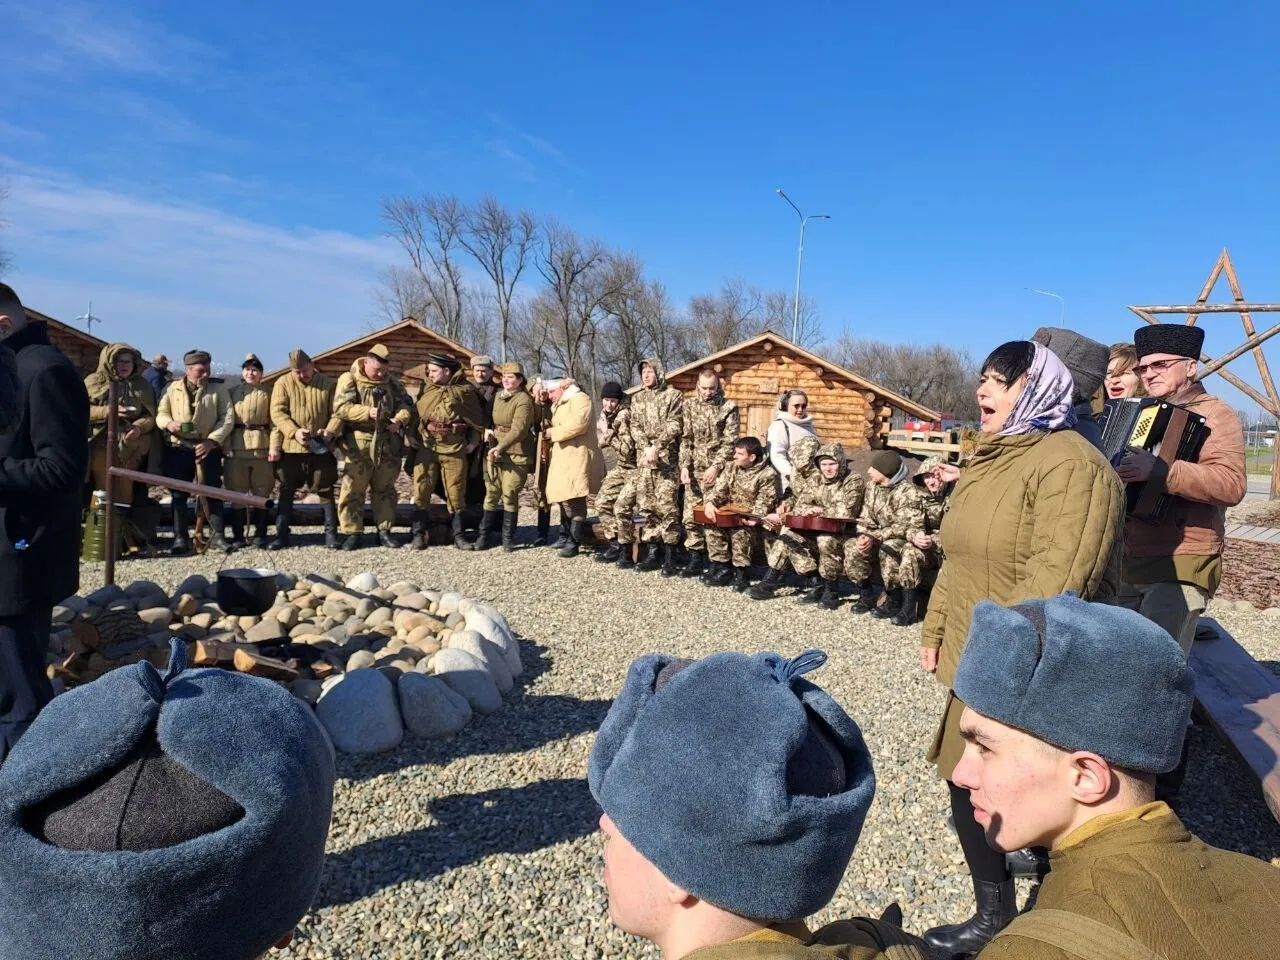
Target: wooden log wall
754,377
409,348
82,352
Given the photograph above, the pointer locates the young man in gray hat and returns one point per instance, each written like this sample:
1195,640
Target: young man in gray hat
1087,362
733,793
1073,709
181,815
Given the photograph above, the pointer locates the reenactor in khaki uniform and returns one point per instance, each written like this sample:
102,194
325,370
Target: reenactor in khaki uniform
751,483
832,492
121,364
509,460
893,507
613,431
252,450
481,382
302,411
922,552
706,447
542,455
196,418
656,426
450,424
376,413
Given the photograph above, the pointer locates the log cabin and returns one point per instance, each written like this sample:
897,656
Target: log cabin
846,408
82,348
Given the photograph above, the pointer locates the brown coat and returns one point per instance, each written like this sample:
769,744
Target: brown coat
577,466
303,406
134,391
1031,516
1195,522
1142,873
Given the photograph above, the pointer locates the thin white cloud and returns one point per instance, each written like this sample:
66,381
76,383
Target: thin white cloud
165,273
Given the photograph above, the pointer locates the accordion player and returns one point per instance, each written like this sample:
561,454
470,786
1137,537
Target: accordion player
1167,430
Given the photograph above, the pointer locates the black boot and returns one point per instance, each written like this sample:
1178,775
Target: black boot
997,906
814,591
387,539
864,596
650,557
351,542
181,545
830,594
489,525
1032,862
564,539
909,613
459,538
741,582
216,540
544,525
261,521
331,538
577,527
697,563
892,604
509,521
764,589
284,510
625,560
238,517
610,553
719,575
418,530
669,567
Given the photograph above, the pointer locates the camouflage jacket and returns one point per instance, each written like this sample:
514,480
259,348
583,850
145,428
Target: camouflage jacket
753,488
616,441
364,436
804,472
934,504
656,419
890,513
839,498
710,427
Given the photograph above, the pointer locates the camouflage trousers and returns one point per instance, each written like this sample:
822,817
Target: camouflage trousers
503,481
695,537
254,475
449,470
734,545
789,547
615,483
899,563
359,477
651,492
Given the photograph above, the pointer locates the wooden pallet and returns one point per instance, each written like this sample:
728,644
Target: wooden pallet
1240,699
926,443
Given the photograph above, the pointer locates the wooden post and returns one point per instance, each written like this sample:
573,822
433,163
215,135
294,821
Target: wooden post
109,525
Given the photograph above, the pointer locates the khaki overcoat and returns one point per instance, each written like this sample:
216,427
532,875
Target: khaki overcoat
577,466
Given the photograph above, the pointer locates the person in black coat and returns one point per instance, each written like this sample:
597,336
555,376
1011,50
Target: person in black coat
43,463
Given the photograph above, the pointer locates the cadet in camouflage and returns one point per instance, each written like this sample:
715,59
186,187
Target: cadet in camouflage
749,482
892,507
922,552
656,426
706,447
613,431
788,547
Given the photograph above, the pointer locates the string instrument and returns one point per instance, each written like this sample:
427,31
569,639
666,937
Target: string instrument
1165,429
727,517
815,523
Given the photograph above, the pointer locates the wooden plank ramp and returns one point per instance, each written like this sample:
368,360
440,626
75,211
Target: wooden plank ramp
1240,699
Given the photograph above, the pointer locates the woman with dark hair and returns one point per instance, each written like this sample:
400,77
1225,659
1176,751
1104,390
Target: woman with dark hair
1037,510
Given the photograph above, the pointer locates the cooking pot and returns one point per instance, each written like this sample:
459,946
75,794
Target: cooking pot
246,591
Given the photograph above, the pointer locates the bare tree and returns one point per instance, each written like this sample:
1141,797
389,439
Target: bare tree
778,307
721,319
500,243
402,294
429,228
936,375
580,276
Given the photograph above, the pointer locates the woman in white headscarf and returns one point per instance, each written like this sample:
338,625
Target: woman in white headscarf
791,422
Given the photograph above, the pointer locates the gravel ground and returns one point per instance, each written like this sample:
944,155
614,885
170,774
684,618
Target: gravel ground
486,845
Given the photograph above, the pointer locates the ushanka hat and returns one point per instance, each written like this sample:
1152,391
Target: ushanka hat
737,778
196,356
1081,676
1179,339
1086,359
181,815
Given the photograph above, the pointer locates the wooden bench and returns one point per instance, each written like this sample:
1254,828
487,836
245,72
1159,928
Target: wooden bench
1240,699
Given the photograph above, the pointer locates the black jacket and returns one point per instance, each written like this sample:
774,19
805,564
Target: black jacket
42,469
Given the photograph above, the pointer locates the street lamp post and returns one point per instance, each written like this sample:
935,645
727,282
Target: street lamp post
795,313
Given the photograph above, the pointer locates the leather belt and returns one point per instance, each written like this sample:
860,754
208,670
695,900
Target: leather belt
438,428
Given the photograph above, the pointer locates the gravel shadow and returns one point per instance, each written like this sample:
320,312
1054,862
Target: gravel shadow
468,828
1215,775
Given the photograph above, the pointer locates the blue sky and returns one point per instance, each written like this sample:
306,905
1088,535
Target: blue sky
212,173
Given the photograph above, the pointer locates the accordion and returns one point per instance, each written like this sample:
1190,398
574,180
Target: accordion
1167,430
